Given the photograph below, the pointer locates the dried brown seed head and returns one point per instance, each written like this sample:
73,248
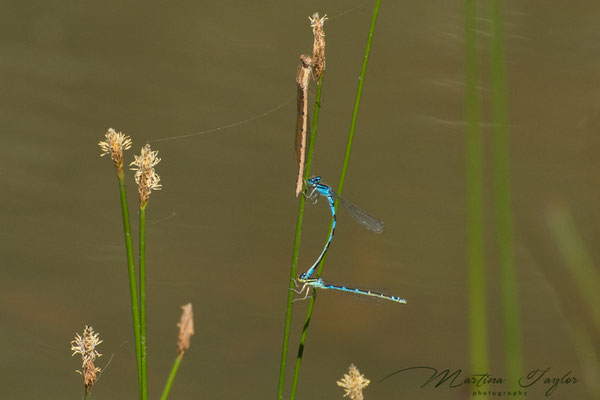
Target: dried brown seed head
86,346
353,383
114,144
145,176
318,56
186,329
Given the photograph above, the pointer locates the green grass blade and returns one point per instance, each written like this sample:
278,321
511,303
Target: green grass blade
474,187
288,314
142,264
294,268
361,82
577,258
171,378
301,345
132,282
503,210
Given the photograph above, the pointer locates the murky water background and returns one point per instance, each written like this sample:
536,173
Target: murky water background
221,232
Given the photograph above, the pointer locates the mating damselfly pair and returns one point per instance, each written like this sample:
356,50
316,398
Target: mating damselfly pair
316,188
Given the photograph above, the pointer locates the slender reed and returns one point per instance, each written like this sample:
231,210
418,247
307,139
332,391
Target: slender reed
186,330
313,298
293,270
147,180
474,184
311,306
318,68
142,264
580,268
171,378
114,145
579,262
132,282
361,81
502,191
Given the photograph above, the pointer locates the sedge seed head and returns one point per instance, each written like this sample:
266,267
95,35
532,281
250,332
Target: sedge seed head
86,346
146,178
186,329
353,383
318,56
114,144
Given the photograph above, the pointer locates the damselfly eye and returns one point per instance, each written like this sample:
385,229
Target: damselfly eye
314,180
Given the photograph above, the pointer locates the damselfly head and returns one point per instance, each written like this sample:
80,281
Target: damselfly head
315,180
302,277
306,61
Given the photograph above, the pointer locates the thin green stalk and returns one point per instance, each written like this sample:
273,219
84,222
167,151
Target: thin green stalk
581,269
171,378
301,346
88,394
361,81
288,315
579,262
504,216
143,301
131,269
312,300
474,187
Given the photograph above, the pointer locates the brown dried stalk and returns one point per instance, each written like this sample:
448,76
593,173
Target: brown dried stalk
302,80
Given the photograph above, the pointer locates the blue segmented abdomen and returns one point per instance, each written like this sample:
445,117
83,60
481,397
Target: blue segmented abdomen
331,232
364,292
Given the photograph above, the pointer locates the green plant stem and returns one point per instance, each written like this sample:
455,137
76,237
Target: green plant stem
301,345
349,142
302,202
474,188
503,210
87,394
131,269
309,157
288,314
361,82
171,378
143,301
577,258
